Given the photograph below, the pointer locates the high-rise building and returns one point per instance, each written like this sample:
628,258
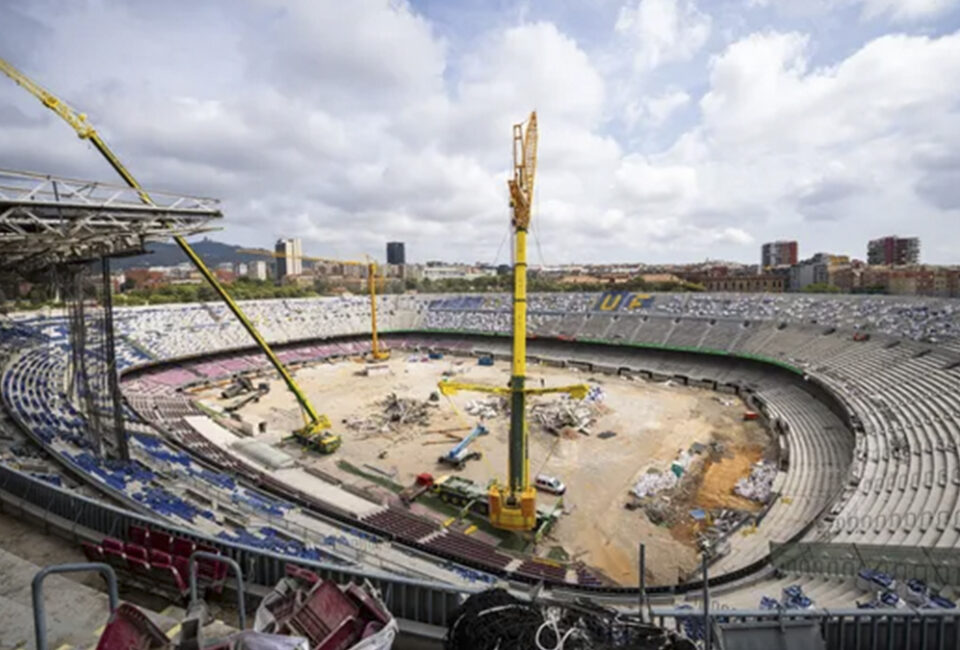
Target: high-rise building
396,253
894,251
778,253
289,258
257,270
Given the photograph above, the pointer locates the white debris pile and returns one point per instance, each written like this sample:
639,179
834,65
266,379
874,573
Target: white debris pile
563,413
655,481
395,413
488,407
759,485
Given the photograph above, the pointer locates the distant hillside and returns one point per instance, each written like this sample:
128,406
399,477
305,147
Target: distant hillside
212,253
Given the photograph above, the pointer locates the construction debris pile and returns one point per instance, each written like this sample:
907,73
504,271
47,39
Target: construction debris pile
486,407
655,480
759,485
568,414
670,498
395,412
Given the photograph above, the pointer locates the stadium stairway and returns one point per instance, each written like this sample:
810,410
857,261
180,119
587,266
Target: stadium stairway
75,613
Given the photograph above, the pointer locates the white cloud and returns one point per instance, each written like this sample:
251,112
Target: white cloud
355,123
654,111
906,10
898,11
663,31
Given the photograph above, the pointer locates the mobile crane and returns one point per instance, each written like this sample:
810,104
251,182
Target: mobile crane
513,506
316,425
377,353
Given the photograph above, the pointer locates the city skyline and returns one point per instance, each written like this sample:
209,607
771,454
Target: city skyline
679,129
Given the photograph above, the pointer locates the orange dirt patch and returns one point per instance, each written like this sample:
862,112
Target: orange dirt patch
720,477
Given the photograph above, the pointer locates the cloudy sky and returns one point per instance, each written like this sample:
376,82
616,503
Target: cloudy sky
671,130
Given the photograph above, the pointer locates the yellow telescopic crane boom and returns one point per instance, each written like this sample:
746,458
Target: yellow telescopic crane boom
376,352
316,424
514,506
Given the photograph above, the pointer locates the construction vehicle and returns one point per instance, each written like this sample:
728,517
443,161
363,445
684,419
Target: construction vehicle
513,506
474,499
462,492
253,396
238,386
421,485
377,353
316,426
460,454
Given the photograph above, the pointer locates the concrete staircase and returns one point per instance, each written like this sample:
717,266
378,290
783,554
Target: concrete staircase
76,614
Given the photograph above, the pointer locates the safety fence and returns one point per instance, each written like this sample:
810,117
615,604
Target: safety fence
839,629
932,565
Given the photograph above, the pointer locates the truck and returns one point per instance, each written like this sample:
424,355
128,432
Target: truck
464,493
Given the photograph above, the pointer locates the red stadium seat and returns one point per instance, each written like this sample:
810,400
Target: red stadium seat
164,573
93,552
115,557
181,546
160,541
139,535
127,628
182,565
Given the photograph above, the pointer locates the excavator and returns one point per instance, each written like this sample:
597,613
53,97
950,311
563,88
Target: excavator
513,506
377,352
316,430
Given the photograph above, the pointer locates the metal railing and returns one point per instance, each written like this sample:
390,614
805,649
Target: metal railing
841,629
39,606
83,519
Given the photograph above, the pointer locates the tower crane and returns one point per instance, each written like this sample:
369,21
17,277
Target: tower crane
316,425
513,506
377,353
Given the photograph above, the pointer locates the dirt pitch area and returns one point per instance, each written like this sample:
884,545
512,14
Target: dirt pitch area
652,423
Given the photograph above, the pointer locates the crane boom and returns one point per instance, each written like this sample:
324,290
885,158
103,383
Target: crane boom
376,352
514,506
316,423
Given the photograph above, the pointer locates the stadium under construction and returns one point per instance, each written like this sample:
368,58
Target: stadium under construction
719,469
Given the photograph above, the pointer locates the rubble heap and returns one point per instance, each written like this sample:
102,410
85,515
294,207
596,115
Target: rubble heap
568,413
395,412
486,407
759,485
655,481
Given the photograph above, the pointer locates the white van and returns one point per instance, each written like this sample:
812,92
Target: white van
549,484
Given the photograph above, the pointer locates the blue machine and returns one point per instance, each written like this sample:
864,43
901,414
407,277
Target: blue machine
459,455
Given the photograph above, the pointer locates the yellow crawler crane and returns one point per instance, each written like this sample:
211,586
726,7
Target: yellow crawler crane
316,425
513,506
377,353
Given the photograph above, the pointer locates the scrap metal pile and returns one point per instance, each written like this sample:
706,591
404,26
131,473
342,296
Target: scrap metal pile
495,620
